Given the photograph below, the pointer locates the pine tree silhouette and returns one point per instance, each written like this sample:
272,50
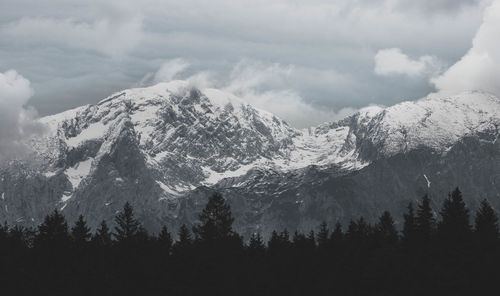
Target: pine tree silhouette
285,237
4,233
323,236
425,221
216,220
299,240
486,234
80,233
185,238
279,244
165,240
455,224
53,232
337,234
385,230
353,264
486,225
274,244
256,244
410,225
358,231
19,238
311,240
102,236
128,227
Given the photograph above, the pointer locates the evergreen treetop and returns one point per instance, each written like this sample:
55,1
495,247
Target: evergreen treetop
127,226
455,223
53,231
80,232
216,220
425,225
102,235
486,224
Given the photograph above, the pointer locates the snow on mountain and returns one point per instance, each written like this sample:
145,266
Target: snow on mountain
436,122
162,146
207,134
194,137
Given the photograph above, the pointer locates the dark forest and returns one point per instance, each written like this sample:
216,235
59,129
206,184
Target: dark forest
453,252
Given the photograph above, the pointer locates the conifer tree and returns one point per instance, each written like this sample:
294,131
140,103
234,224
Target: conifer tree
285,240
127,227
299,240
486,225
185,238
455,224
19,237
274,243
385,230
358,231
323,235
285,236
337,234
165,239
410,225
256,245
53,232
4,233
311,240
142,235
80,233
102,236
279,243
425,221
216,220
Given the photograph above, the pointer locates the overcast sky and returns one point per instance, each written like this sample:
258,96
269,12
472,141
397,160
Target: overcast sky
308,61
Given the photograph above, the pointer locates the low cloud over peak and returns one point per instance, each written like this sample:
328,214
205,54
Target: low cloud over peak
392,61
77,54
479,69
16,121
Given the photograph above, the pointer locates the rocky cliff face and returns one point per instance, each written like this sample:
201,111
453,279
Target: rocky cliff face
166,147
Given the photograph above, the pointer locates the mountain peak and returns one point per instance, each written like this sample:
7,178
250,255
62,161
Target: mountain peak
223,135
160,145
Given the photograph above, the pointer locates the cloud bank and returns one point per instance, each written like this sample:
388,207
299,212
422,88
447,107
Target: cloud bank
16,122
479,69
101,35
268,86
78,54
170,69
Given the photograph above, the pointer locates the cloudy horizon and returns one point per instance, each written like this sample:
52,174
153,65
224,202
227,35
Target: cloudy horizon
306,61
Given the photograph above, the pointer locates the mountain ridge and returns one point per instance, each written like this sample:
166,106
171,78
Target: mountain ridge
162,146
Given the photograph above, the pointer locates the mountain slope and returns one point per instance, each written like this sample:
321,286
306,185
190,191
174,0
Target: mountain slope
165,147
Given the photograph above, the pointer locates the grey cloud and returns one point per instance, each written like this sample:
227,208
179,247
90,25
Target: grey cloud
330,45
433,6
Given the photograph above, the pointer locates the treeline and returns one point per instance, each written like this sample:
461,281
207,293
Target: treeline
430,256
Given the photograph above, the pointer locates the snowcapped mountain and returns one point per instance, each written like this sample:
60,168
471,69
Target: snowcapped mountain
207,134
434,122
165,147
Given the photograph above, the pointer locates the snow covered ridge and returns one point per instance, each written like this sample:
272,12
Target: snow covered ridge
190,137
435,121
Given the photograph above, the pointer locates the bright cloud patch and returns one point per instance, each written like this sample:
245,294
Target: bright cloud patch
170,69
392,61
263,85
479,69
268,87
16,122
15,90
